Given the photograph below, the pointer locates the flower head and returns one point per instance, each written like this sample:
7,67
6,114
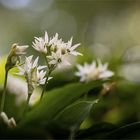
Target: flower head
33,73
56,49
90,72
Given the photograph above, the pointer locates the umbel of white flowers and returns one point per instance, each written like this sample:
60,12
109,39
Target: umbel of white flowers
33,73
93,71
55,49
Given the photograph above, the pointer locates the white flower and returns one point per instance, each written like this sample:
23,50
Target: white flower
57,58
90,72
104,73
71,49
40,44
9,122
56,49
56,44
32,72
46,45
54,40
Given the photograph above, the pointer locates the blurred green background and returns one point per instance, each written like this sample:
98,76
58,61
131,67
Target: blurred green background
106,29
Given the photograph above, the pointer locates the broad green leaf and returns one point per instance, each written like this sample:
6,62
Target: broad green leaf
55,101
96,131
73,115
130,131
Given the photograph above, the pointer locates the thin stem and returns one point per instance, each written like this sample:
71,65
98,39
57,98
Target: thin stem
72,133
45,85
4,91
27,104
86,95
47,77
71,137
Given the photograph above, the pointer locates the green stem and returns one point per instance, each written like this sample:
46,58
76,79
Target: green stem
27,104
47,77
4,91
30,91
72,134
45,85
86,96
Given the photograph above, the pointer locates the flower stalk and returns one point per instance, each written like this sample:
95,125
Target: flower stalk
27,103
12,60
47,78
4,91
30,91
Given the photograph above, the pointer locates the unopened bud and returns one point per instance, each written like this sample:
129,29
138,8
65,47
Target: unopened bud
14,55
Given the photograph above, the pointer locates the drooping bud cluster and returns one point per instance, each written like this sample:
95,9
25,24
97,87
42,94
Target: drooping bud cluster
14,55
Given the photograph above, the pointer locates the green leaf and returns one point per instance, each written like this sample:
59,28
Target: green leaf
74,114
55,101
97,131
130,131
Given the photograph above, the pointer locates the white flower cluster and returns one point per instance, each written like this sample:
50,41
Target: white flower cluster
55,49
34,74
9,122
93,71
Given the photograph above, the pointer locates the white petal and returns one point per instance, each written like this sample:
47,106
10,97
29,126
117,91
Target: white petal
12,123
70,42
106,74
53,62
46,37
41,67
35,62
50,78
75,46
76,53
4,117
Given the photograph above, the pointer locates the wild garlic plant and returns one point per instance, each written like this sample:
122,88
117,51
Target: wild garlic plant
55,52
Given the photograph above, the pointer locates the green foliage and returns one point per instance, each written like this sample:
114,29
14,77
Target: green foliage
97,131
55,101
73,115
2,70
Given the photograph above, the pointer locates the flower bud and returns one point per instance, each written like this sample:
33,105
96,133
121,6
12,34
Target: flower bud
14,55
